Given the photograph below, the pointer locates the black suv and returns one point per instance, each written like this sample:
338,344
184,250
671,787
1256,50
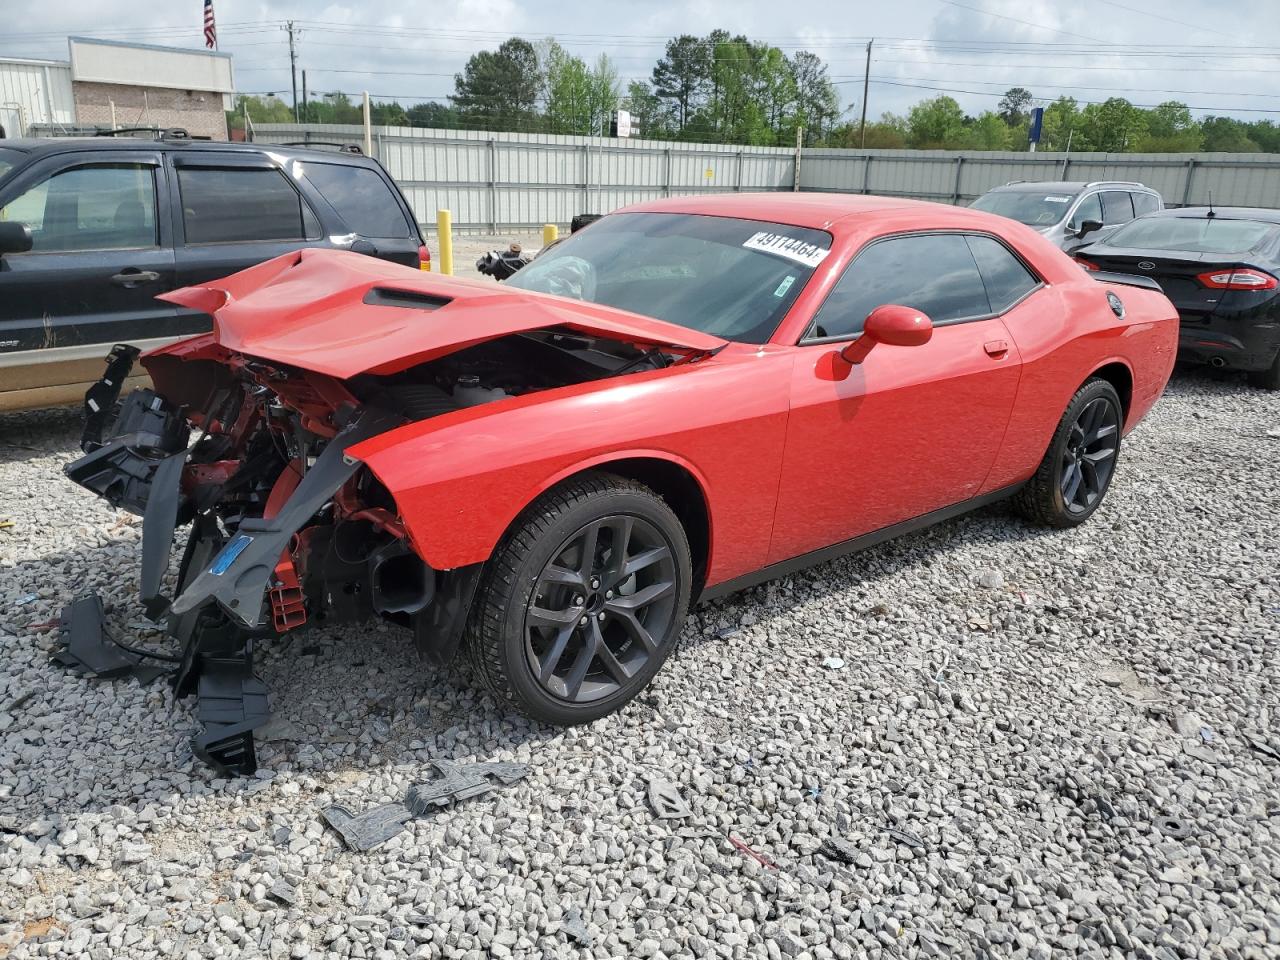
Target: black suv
92,228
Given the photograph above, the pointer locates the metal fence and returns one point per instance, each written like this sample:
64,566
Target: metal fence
514,181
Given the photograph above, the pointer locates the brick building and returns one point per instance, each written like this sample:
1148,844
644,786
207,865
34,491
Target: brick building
106,84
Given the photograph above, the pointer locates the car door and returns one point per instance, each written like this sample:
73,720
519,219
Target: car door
910,430
1117,210
1088,208
234,210
101,251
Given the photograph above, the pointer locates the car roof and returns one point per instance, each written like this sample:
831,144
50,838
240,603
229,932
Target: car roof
45,146
1263,214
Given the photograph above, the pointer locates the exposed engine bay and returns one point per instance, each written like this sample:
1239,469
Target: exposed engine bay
287,529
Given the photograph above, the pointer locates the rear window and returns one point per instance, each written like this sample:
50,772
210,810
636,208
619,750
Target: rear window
1144,203
1193,234
245,204
361,197
1040,208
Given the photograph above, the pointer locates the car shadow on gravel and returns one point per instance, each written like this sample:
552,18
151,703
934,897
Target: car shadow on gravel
39,433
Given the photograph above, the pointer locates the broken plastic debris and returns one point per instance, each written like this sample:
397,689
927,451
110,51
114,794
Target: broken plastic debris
26,598
369,829
833,663
759,858
842,851
575,928
666,800
1173,827
904,836
460,783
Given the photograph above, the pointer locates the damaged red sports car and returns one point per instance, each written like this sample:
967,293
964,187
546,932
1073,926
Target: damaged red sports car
686,397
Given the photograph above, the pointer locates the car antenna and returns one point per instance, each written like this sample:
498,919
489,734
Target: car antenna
1211,213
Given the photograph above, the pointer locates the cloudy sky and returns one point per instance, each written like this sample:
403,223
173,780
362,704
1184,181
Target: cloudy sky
1219,56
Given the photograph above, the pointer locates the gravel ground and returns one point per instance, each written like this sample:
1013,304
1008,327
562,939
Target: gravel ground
1039,744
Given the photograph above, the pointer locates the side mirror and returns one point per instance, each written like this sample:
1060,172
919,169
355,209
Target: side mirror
15,237
892,324
1088,227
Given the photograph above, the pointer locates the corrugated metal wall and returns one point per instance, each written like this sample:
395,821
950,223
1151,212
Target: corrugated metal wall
35,91
497,181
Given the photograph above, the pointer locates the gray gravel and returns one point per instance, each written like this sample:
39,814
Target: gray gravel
1037,745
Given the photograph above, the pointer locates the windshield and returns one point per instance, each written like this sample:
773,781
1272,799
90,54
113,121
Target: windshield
7,160
1035,209
1193,234
731,278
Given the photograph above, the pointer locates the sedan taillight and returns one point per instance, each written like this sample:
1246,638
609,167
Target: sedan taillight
424,258
1243,279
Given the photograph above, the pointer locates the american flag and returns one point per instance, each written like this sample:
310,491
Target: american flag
210,30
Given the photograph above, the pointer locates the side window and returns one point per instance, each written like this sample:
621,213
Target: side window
1090,209
1144,203
1116,207
1006,277
934,273
361,197
229,204
100,207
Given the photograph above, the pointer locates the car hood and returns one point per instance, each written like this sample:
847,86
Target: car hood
343,314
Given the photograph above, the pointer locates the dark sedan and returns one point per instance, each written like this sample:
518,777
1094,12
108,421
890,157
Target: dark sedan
1220,269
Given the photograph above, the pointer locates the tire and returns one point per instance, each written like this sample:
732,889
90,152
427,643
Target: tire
1076,472
542,606
1268,379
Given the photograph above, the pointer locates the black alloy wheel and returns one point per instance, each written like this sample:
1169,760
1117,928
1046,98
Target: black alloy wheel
582,601
1089,455
597,606
1077,469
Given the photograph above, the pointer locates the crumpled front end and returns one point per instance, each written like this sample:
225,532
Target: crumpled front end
286,529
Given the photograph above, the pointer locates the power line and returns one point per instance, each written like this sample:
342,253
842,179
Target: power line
1025,23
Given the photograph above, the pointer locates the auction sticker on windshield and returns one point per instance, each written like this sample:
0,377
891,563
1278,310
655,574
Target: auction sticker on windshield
801,251
1057,199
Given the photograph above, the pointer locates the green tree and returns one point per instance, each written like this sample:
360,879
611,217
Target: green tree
1112,127
987,131
1225,135
935,124
579,100
650,116
500,89
681,76
1060,120
1015,106
268,109
1266,134
817,104
433,114
1171,129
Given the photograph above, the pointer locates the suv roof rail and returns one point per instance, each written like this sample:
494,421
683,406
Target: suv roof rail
1122,183
166,133
342,147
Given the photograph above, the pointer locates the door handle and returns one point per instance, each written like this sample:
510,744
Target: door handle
996,348
130,277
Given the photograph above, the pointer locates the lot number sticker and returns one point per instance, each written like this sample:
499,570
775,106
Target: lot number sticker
801,251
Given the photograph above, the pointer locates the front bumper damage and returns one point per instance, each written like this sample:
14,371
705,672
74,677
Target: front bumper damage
239,581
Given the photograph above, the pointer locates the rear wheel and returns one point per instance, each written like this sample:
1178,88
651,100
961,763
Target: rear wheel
582,601
1075,474
1268,379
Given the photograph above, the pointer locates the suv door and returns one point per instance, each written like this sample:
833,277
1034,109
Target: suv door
101,251
233,210
910,430
1089,207
365,199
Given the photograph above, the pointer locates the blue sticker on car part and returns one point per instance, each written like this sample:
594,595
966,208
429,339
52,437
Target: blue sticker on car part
227,555
784,286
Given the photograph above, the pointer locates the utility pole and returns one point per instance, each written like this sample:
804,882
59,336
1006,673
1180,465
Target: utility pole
304,95
293,67
866,83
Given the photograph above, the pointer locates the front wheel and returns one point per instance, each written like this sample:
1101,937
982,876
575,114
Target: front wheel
1075,474
582,601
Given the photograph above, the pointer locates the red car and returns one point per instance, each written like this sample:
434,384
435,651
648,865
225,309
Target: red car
684,398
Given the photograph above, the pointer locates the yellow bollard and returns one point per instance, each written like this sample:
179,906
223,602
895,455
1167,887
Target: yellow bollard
550,232
444,237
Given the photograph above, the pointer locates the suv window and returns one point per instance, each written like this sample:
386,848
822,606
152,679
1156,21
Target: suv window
1116,207
361,197
1090,209
226,204
1144,203
98,207
1006,277
934,273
